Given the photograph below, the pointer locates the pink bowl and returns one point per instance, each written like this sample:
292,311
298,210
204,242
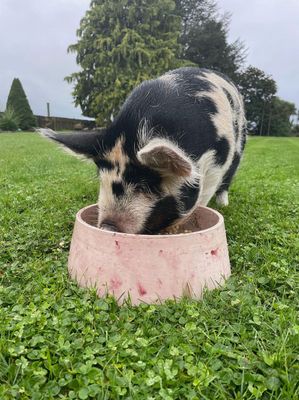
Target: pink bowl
150,268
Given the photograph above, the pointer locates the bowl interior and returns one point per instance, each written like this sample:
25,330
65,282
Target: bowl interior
202,218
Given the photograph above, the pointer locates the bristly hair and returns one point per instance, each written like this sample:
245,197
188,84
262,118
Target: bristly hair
144,134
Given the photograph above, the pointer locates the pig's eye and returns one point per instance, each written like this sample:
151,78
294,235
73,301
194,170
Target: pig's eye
142,187
144,179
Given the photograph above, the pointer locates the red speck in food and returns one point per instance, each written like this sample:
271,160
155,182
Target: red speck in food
214,252
141,289
115,283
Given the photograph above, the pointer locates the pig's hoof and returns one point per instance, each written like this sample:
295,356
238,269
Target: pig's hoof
222,198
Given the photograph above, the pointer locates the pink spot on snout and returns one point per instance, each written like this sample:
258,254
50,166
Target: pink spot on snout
214,252
141,289
160,252
115,283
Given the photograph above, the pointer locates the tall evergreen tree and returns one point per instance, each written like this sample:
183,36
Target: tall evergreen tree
204,37
18,102
121,43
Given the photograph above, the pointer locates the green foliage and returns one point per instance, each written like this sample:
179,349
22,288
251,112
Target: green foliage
204,37
266,113
258,90
295,130
60,341
121,43
279,118
18,101
9,120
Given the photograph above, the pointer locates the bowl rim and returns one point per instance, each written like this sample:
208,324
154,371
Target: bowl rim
142,236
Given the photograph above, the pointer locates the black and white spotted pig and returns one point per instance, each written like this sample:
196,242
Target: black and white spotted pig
176,142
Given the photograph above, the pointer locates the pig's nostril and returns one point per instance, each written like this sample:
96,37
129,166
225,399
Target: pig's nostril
108,226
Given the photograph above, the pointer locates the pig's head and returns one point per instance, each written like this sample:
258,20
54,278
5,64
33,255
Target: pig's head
145,187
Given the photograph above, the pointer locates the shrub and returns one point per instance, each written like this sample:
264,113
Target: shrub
18,101
9,121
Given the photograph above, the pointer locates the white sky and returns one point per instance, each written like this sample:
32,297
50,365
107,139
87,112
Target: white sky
35,34
270,31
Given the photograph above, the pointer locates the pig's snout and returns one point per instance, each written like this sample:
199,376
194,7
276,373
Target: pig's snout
107,225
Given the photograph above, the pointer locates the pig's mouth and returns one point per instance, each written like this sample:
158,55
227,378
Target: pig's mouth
163,215
119,224
110,226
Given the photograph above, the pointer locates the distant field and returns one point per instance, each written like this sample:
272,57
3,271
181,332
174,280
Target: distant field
60,342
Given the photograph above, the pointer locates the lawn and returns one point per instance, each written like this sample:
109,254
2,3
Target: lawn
58,341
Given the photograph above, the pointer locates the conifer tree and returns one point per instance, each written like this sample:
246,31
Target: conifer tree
18,102
121,43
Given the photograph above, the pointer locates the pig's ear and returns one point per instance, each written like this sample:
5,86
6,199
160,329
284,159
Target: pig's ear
165,157
88,144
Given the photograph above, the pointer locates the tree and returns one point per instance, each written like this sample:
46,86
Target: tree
18,102
295,130
204,37
121,43
279,123
258,90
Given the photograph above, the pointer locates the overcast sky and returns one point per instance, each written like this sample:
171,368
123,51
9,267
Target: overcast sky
35,34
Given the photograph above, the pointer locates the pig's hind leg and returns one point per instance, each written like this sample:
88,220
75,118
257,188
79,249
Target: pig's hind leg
222,191
211,176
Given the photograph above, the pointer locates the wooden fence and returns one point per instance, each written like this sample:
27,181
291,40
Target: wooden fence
60,123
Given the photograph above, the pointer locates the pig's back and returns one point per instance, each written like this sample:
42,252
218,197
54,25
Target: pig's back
199,109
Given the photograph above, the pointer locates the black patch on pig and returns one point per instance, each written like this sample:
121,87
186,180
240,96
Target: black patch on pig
189,195
164,213
118,189
235,122
243,138
229,174
222,149
144,178
236,129
229,97
104,164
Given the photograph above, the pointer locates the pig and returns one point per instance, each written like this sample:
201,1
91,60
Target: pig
176,142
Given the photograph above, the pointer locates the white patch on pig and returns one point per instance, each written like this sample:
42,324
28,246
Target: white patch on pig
228,115
117,154
222,198
211,176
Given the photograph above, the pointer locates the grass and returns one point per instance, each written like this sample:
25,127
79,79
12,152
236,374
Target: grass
58,341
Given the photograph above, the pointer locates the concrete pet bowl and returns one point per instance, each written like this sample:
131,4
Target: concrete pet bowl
150,268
